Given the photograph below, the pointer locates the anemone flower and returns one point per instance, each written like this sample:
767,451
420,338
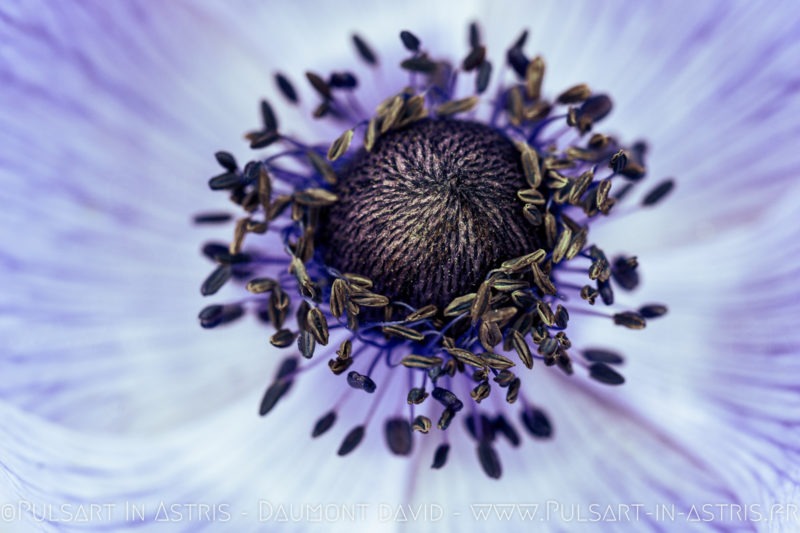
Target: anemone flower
119,411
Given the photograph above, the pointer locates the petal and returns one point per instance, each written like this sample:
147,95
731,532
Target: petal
105,284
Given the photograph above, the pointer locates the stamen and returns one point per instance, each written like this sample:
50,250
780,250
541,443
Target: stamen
280,386
365,51
653,310
410,41
351,441
399,436
286,88
658,193
537,423
216,280
605,374
324,424
602,356
490,462
440,456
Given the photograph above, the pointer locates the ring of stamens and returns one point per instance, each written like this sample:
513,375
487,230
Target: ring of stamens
364,228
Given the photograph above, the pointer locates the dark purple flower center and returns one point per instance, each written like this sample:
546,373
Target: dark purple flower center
440,251
430,211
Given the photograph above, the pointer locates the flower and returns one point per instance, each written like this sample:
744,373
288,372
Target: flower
111,395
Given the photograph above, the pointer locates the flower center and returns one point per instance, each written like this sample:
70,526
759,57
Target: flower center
430,211
442,252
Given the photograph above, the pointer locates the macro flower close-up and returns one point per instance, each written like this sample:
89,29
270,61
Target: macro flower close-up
443,266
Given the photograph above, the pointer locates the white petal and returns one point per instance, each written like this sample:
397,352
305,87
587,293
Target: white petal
250,472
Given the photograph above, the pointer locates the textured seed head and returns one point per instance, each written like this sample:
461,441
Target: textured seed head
430,211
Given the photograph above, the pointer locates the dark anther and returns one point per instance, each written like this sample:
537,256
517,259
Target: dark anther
474,59
351,441
623,270
216,280
537,423
227,258
503,427
210,314
447,399
306,344
520,42
435,373
639,151
288,367
484,75
226,161
518,61
618,161
421,64
322,109
410,41
286,88
217,315
279,387
623,191
605,374
564,362
633,171
365,51
574,95
630,320
343,80
658,193
213,250
597,355
339,366
252,170
319,85
228,180
274,393
562,317
268,117
606,292
416,396
490,462
479,427
360,381
324,424
212,218
263,139
595,108
474,35
440,456
446,418
653,310
281,338
398,436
